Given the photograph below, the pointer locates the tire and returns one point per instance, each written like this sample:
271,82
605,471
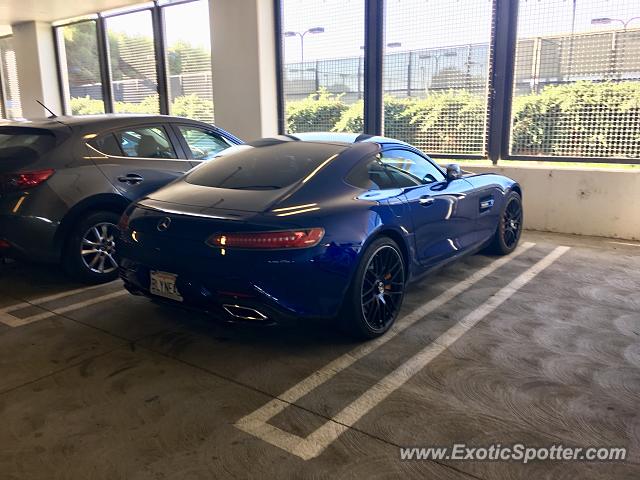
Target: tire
95,232
509,228
375,295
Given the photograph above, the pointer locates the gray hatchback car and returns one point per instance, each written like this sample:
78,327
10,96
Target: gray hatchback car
65,181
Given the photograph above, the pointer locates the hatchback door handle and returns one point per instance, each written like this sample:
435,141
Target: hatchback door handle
131,178
426,201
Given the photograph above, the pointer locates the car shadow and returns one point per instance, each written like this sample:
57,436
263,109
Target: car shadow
23,279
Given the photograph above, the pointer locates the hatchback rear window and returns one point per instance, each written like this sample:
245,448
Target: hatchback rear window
25,143
263,168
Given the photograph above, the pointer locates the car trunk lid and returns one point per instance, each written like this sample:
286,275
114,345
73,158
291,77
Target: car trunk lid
199,199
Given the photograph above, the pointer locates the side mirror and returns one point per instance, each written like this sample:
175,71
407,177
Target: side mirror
453,172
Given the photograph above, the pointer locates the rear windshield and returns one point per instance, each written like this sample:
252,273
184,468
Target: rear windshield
263,168
25,143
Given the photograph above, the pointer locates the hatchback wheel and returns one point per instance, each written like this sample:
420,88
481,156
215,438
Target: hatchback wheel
90,251
375,297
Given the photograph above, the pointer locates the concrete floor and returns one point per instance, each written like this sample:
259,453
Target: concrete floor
100,384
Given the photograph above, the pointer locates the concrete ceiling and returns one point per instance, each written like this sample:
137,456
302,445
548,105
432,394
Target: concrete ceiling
16,11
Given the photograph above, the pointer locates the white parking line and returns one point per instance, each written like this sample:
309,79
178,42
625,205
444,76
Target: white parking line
50,298
311,446
334,367
12,321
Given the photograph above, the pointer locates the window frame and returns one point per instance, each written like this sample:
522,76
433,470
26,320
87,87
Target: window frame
157,11
157,30
62,73
165,126
363,162
175,127
396,147
418,153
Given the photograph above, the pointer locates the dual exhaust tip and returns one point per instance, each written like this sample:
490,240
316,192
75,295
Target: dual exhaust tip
244,313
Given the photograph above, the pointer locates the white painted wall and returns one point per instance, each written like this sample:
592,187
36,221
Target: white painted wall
598,202
36,64
243,63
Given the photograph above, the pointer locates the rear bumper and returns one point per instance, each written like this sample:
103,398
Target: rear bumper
31,238
310,284
224,307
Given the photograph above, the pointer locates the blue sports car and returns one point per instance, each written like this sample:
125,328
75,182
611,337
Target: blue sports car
312,225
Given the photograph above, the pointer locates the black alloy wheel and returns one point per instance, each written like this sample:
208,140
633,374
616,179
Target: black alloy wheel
509,228
512,222
375,297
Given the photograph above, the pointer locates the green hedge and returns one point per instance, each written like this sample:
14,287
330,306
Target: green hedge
190,106
580,119
319,112
450,122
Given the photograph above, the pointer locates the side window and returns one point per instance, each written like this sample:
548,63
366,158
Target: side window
371,174
145,142
107,144
203,145
409,169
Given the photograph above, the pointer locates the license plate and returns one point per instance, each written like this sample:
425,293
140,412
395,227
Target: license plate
163,284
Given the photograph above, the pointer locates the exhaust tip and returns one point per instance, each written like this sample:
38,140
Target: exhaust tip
244,313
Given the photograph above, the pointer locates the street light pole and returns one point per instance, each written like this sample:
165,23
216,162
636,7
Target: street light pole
312,30
606,21
614,39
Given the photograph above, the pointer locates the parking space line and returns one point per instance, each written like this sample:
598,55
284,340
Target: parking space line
50,298
347,359
12,321
256,422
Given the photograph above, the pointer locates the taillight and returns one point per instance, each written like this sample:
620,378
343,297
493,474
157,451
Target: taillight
303,238
25,180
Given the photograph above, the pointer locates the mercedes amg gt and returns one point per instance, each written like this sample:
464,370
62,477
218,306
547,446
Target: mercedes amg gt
312,225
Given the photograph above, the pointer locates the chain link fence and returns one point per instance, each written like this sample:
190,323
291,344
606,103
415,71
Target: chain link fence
575,93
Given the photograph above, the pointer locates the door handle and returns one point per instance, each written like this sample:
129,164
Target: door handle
131,178
426,201
486,204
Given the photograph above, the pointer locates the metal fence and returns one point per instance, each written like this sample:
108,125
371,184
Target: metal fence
563,85
135,90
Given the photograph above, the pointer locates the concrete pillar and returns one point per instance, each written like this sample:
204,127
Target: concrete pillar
244,67
36,62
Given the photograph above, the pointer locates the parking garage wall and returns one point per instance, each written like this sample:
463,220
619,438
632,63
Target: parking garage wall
599,202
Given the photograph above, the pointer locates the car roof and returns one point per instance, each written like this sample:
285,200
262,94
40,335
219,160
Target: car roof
344,137
103,120
339,138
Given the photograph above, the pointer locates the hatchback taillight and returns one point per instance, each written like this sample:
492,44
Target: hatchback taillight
24,180
303,238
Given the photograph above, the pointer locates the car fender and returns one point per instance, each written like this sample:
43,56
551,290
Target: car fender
111,202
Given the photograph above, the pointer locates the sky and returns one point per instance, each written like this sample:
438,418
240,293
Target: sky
187,22
414,24
434,23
